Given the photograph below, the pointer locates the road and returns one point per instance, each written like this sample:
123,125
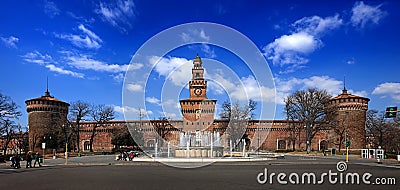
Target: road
124,175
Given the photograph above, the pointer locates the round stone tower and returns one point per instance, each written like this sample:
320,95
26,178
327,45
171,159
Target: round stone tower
46,115
351,118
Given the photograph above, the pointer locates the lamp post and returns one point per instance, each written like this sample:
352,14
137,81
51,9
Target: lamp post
44,146
306,133
258,140
66,143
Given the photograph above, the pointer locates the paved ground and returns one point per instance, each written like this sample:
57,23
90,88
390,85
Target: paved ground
103,172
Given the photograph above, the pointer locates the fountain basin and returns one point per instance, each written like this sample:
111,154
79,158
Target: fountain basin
199,152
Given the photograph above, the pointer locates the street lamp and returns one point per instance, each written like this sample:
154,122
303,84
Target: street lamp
44,146
66,143
305,129
258,137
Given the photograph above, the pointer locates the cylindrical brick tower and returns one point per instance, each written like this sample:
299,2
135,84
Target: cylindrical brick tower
351,118
46,115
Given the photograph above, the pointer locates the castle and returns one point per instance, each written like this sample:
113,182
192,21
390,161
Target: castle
47,112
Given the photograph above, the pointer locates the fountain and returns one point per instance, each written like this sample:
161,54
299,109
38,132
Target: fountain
199,144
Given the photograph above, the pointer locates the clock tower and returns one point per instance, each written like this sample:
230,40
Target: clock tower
198,110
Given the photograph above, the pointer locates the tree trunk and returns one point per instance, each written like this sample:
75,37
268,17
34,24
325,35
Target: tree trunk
91,138
6,145
77,136
294,144
380,139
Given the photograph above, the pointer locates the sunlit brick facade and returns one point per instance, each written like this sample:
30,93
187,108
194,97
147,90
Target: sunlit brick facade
198,114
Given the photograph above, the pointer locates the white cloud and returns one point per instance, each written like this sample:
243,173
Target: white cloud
131,110
89,33
171,103
220,83
208,51
391,89
59,70
118,77
251,89
288,49
81,62
350,61
195,36
135,66
169,115
331,85
244,89
86,63
117,14
134,87
51,9
37,57
361,93
48,62
316,25
363,14
80,18
175,69
153,100
10,42
87,38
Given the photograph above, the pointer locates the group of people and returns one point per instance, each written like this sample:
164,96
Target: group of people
16,160
30,157
125,156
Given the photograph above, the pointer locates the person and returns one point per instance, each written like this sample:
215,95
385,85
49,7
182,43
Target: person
121,156
28,159
37,156
17,161
131,156
13,161
125,156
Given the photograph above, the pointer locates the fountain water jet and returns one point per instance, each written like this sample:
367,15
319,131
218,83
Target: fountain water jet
199,144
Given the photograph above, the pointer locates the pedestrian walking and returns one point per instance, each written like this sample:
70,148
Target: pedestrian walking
18,161
13,161
28,159
37,156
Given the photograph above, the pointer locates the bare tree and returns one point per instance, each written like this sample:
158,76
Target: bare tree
163,128
122,136
238,117
294,128
9,112
78,111
385,132
101,114
391,140
310,107
8,108
137,135
9,133
377,126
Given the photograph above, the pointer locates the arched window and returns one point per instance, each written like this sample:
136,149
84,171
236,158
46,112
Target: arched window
151,143
281,144
323,145
86,145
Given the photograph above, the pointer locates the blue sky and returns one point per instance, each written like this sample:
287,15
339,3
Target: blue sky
85,48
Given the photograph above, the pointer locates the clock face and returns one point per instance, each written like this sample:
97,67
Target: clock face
197,91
